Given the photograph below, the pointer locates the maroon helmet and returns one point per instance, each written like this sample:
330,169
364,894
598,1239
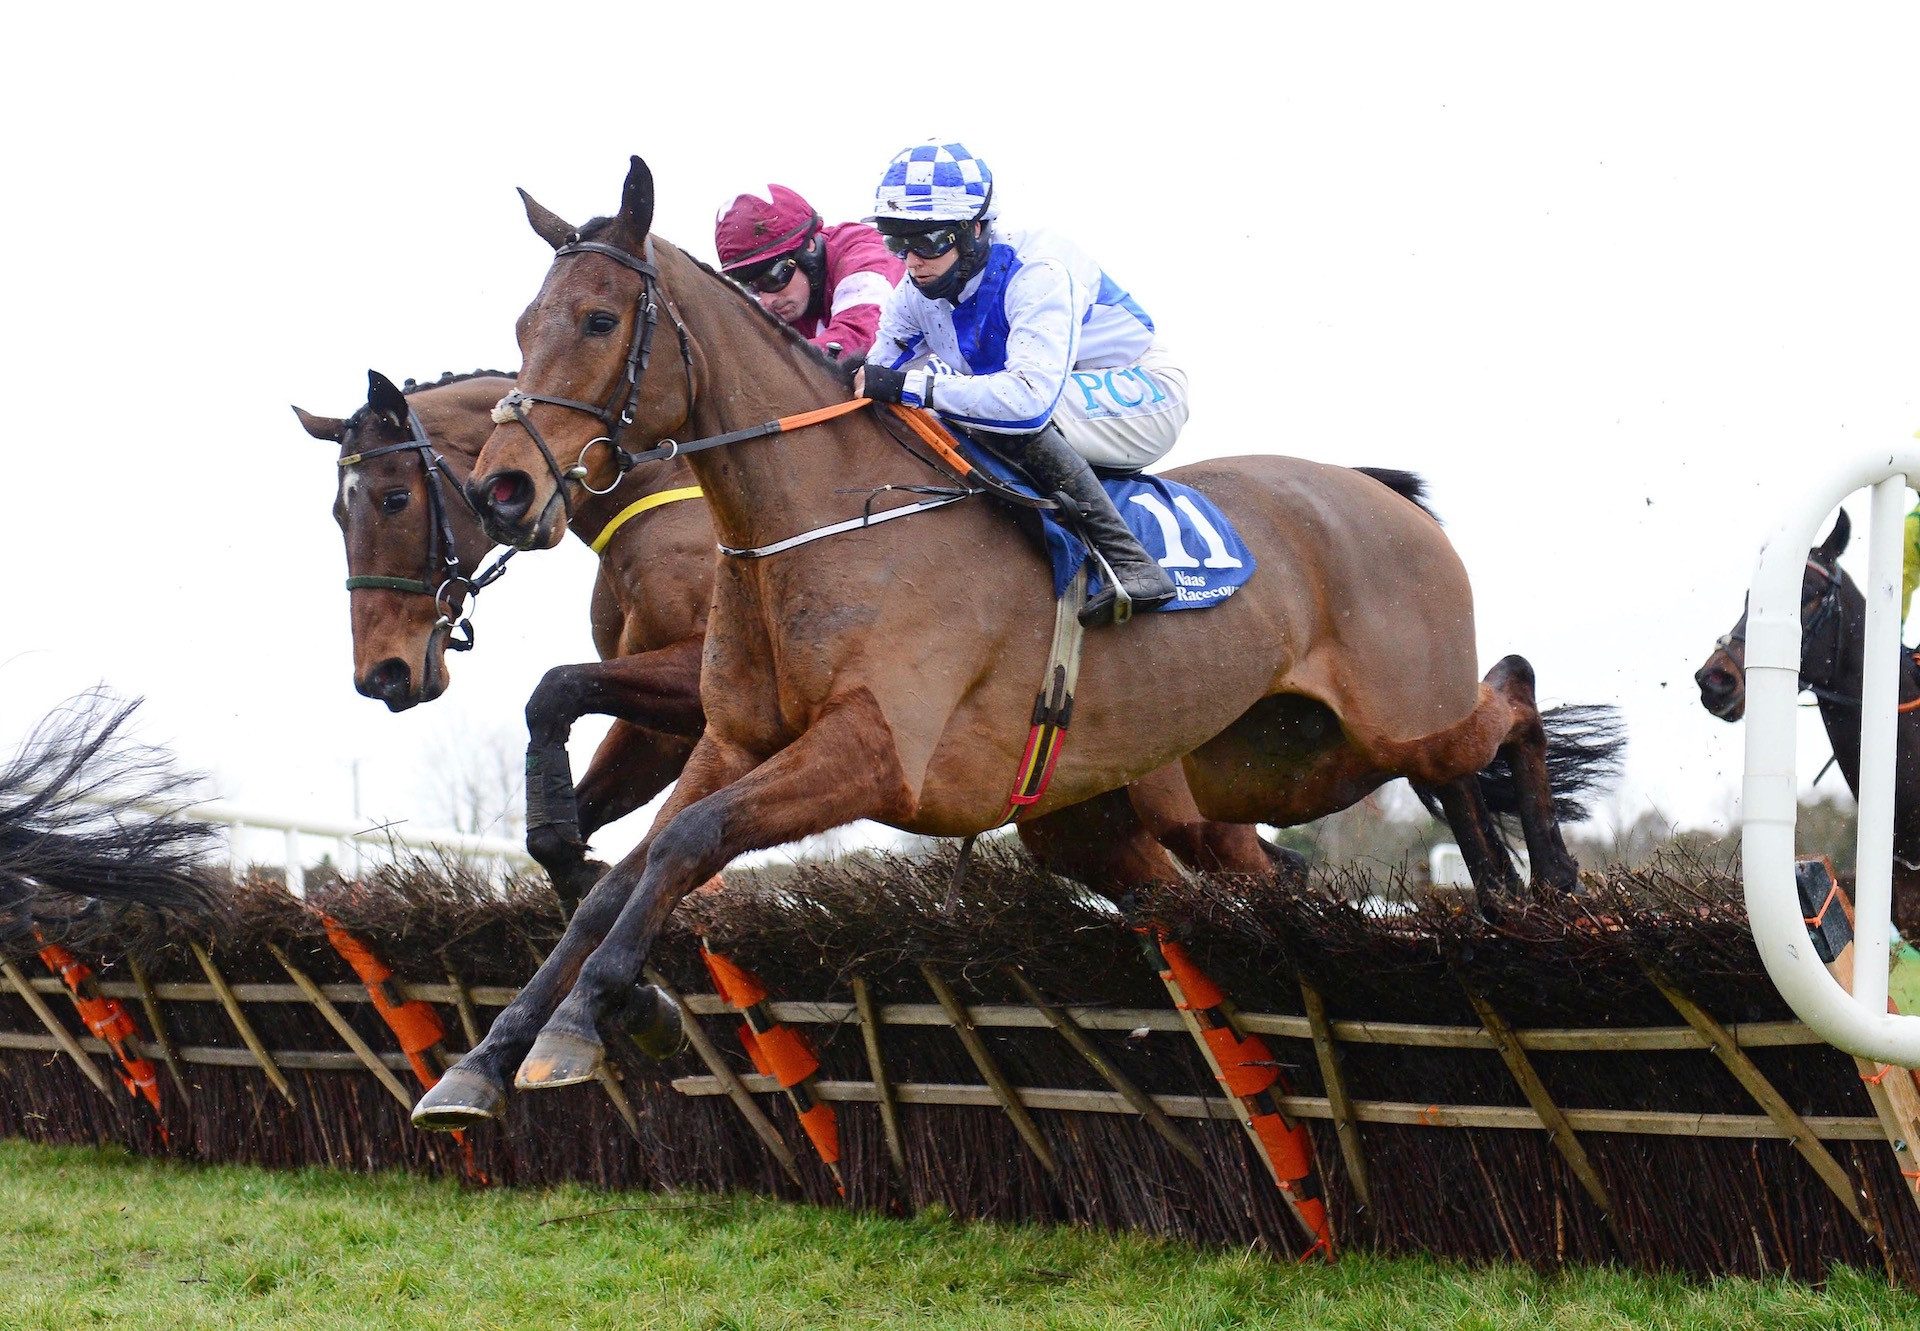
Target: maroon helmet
752,230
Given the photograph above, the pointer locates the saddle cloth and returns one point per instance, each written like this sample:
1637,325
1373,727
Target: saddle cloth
1175,523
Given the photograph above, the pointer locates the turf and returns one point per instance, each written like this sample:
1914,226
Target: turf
99,1237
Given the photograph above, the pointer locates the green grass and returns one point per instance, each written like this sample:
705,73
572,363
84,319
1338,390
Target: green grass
96,1237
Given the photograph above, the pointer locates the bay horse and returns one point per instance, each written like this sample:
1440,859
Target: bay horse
1833,630
889,672
413,547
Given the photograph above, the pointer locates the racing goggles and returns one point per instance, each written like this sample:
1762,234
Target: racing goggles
926,244
772,278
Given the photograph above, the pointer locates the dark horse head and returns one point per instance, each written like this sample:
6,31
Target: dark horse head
1832,625
412,541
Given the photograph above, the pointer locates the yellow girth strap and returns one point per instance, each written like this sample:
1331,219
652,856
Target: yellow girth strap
639,506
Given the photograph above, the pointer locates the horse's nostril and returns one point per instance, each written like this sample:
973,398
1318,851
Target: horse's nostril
507,494
391,682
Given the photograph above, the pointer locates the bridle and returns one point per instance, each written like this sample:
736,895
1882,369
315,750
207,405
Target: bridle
1825,610
617,413
452,591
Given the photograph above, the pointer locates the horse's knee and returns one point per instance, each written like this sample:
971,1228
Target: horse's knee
557,699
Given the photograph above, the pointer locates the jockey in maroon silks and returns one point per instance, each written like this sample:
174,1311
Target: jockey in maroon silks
826,281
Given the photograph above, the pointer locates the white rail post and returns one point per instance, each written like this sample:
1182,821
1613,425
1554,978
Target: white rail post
1858,1022
1879,732
296,876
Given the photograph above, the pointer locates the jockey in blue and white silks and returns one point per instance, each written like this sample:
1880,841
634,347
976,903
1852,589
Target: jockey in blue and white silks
1021,335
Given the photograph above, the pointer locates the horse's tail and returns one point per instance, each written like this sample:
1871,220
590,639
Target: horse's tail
77,820
1585,742
1409,485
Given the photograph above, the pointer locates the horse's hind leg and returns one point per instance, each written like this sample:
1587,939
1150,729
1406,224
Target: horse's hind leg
1525,749
1164,806
1488,863
1101,842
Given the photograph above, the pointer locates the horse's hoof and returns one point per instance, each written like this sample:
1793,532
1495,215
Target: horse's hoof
559,1058
460,1099
653,1020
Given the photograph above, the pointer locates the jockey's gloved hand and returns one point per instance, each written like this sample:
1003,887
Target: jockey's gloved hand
883,384
913,388
850,366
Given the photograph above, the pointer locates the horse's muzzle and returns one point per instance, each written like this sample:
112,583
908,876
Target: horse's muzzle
504,502
391,682
1722,692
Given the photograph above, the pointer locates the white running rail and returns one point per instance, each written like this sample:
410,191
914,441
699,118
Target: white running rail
349,837
1858,1022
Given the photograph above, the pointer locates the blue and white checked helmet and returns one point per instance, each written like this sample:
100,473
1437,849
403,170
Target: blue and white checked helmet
935,182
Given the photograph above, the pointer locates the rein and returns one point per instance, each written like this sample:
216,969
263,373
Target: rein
443,582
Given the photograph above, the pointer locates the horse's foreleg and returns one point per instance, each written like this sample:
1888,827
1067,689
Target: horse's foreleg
475,1088
842,768
657,691
1552,864
629,768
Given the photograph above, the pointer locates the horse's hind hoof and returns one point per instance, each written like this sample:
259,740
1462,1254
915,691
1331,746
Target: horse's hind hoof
460,1099
653,1020
559,1059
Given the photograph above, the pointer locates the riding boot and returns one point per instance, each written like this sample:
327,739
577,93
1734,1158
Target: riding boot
1059,471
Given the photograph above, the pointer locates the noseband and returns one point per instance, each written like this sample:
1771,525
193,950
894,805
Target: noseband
443,581
617,413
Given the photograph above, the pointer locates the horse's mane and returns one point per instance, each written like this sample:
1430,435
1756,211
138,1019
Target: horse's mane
412,386
447,377
599,225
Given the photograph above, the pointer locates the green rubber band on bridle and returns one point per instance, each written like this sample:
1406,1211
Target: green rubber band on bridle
389,584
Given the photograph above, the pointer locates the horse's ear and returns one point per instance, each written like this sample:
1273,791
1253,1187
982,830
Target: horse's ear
636,201
330,428
385,398
1836,543
549,226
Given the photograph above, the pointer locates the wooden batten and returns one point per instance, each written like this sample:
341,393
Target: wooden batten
1558,1128
1155,1116
157,1022
983,1059
248,1036
883,1090
1830,1170
61,1035
1346,1126
364,1051
730,1082
463,1004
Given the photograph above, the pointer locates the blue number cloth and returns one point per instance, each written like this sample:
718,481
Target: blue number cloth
1179,526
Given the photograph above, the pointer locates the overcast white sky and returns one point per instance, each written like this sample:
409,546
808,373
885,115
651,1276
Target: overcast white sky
1618,281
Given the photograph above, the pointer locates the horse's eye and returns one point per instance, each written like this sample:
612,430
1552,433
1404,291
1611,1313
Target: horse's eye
393,501
601,323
